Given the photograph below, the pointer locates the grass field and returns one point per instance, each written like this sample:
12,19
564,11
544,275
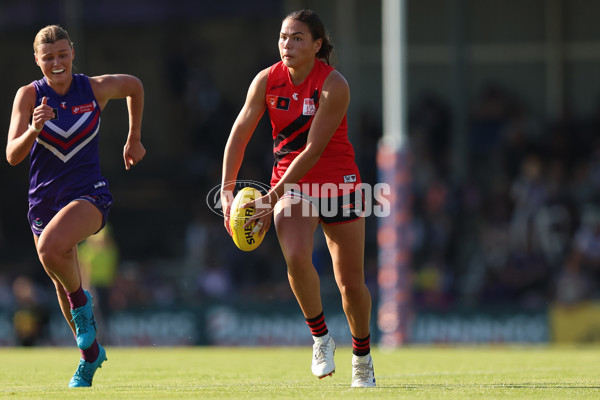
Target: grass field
503,372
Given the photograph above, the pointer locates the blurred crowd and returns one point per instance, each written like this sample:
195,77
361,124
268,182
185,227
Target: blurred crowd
520,229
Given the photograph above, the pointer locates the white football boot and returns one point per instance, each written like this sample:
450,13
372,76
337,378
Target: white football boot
363,375
322,361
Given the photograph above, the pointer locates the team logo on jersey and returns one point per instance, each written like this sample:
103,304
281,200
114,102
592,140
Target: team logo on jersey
309,107
38,225
83,108
350,178
281,103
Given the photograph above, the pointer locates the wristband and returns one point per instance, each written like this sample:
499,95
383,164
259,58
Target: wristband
35,130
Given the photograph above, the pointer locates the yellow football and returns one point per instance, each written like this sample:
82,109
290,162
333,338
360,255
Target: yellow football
242,237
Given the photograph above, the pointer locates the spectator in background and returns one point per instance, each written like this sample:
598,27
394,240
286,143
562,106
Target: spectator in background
30,318
528,193
99,260
580,279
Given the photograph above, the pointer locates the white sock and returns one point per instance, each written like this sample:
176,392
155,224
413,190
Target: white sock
321,339
364,359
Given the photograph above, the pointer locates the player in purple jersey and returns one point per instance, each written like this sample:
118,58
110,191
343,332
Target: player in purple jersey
56,121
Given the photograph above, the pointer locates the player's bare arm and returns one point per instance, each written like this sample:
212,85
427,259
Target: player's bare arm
241,132
25,124
121,86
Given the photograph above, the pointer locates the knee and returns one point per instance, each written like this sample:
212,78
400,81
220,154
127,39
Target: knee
50,254
350,288
297,257
297,260
297,253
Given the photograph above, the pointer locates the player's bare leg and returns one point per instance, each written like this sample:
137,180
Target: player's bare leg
57,245
346,245
57,250
63,300
295,231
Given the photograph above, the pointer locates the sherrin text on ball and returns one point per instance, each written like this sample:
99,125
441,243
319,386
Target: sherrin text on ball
244,238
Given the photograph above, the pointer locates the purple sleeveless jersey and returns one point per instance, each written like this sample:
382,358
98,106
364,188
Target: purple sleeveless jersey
64,162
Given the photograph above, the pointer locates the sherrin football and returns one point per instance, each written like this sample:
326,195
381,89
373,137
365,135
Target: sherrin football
242,237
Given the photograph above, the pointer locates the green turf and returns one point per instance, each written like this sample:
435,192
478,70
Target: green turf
503,372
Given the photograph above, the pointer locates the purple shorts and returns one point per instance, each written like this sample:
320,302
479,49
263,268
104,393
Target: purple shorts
39,215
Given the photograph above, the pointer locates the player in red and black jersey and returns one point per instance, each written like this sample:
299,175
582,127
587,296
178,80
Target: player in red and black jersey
313,182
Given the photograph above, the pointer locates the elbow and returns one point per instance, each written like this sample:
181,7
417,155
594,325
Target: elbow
138,87
12,159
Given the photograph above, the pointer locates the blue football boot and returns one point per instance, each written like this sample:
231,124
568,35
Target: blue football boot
85,371
85,325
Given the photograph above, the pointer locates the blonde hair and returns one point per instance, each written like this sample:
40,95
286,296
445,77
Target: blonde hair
50,34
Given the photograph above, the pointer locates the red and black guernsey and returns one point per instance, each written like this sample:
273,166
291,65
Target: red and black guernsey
291,110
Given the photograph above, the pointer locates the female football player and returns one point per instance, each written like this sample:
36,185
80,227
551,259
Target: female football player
56,120
313,182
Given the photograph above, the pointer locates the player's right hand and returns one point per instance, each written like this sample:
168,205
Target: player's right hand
41,114
226,201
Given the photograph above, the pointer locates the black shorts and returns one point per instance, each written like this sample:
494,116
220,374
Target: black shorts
331,210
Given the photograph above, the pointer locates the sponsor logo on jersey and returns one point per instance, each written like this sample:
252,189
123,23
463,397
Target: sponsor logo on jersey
63,105
99,184
277,86
278,102
350,178
295,96
83,108
309,107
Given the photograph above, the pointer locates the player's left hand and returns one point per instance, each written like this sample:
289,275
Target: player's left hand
133,153
263,209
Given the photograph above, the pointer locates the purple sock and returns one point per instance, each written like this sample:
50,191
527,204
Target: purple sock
77,298
91,354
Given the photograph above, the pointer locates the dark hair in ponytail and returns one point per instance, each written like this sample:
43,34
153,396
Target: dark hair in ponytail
317,30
